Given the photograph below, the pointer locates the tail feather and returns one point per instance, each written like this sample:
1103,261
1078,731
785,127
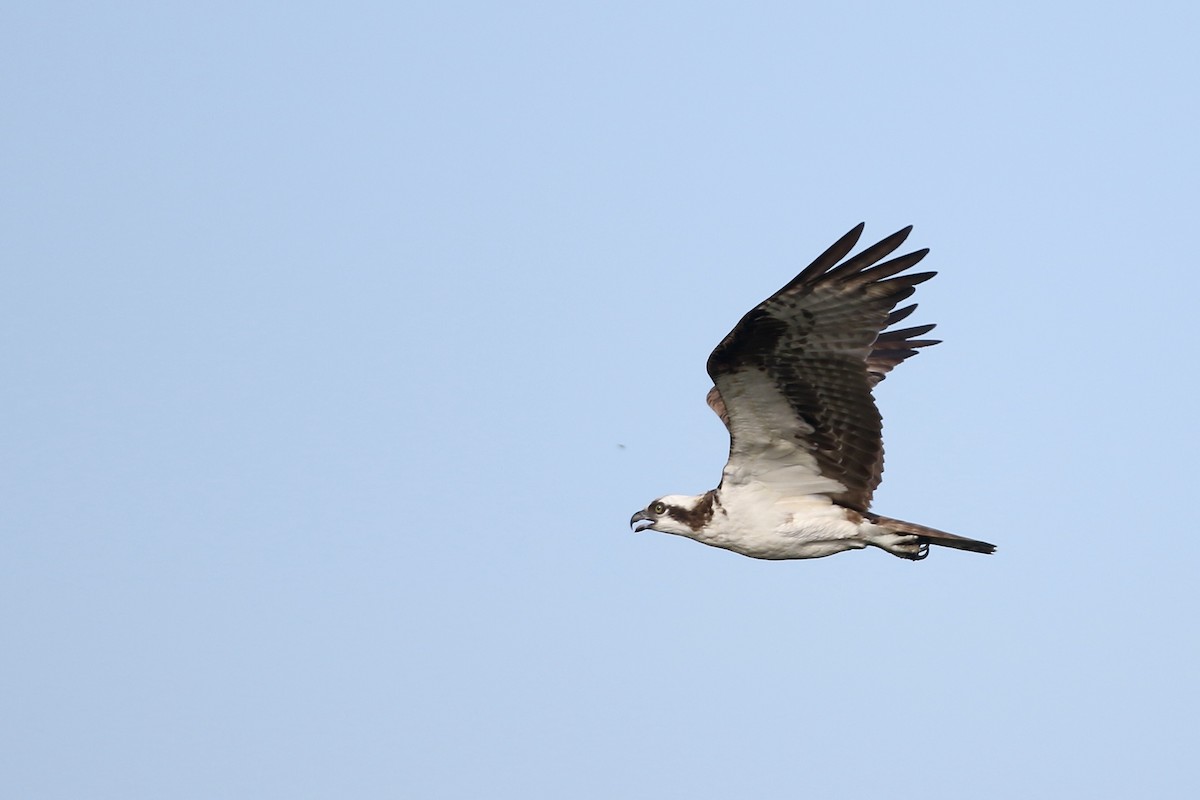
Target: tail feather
933,535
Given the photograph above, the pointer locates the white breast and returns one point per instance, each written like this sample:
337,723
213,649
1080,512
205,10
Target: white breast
756,520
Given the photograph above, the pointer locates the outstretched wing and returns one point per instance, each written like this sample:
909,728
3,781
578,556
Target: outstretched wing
794,376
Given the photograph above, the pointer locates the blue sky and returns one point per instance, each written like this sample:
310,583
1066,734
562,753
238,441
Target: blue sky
340,343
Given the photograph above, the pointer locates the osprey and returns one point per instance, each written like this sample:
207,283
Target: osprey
793,383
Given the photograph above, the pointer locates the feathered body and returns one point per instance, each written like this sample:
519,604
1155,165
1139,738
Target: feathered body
792,383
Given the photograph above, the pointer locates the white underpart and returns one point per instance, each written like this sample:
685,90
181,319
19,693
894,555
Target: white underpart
758,521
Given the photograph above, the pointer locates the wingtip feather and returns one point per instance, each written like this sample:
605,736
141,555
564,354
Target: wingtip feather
832,255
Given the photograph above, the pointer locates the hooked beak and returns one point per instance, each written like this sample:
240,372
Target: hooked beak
642,517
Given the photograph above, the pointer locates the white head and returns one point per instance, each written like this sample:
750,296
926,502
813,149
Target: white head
679,514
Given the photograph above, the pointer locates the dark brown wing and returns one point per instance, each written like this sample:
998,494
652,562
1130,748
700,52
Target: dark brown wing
889,349
795,374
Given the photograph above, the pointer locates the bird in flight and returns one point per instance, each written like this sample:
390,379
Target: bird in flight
793,383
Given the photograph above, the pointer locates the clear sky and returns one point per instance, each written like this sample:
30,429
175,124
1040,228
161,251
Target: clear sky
340,341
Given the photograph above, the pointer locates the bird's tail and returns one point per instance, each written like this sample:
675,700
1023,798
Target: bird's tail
928,536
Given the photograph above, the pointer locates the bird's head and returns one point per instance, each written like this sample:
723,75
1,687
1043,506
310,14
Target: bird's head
677,514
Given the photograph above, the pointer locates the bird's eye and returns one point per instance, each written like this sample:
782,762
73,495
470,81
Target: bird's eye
658,508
